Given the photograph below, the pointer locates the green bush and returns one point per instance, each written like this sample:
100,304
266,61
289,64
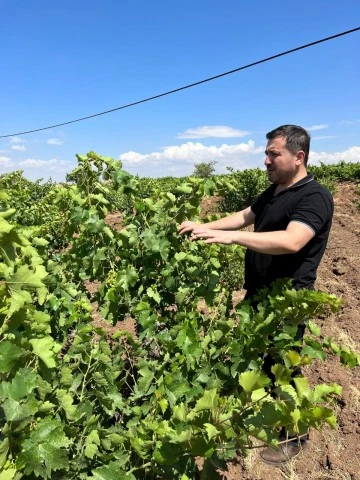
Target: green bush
248,184
342,171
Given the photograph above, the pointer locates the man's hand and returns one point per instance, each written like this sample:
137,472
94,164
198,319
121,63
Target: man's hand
200,231
213,236
187,226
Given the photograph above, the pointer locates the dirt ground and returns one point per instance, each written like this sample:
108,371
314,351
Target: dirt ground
331,454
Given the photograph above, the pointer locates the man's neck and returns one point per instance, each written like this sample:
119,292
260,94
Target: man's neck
283,186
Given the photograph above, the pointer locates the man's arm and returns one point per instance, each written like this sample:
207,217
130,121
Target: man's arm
281,242
235,221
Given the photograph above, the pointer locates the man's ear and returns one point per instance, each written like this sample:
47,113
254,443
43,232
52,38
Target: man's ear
300,157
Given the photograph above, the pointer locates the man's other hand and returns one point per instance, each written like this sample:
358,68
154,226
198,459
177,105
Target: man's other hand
187,226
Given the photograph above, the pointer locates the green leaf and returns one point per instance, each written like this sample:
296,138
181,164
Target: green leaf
295,416
211,430
170,196
44,451
258,394
4,449
23,281
282,374
91,444
252,380
180,412
181,295
46,406
320,393
153,294
9,354
66,402
294,357
16,410
179,256
66,378
45,348
39,242
8,474
318,414
98,258
314,329
208,402
184,188
215,262
166,453
127,278
24,382
163,403
311,352
5,226
144,382
202,447
302,386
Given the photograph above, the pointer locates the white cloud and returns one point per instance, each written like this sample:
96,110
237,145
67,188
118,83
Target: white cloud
317,127
190,153
34,163
215,131
19,147
54,141
6,162
55,168
180,159
16,140
351,154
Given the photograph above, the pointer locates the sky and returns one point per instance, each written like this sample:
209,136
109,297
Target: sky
60,61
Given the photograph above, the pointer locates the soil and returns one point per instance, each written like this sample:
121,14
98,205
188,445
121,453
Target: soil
331,454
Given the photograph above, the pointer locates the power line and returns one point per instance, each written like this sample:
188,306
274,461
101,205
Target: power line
187,86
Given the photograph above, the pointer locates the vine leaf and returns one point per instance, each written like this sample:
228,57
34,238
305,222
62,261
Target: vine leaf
45,450
92,444
252,380
45,348
9,354
8,474
21,283
112,471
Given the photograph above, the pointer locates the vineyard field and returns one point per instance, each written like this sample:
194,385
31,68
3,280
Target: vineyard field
128,353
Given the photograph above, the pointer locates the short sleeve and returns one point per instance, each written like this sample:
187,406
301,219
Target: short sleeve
315,210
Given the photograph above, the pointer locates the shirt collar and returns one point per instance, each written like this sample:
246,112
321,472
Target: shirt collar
309,178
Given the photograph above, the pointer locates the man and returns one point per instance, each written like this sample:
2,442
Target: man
292,220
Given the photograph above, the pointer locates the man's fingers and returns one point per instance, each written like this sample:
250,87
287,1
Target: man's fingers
202,234
184,229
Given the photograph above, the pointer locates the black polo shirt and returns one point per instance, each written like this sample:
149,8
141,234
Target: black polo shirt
306,201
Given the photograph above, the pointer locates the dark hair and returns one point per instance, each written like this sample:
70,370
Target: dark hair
297,138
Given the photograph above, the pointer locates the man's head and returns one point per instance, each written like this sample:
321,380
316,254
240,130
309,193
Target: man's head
296,139
287,154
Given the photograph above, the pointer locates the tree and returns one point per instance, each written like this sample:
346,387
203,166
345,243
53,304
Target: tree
204,169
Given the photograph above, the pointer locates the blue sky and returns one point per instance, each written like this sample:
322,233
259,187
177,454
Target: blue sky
65,60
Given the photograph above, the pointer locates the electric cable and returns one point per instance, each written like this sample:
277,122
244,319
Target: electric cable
154,97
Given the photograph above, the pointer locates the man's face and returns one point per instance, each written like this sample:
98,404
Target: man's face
280,163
